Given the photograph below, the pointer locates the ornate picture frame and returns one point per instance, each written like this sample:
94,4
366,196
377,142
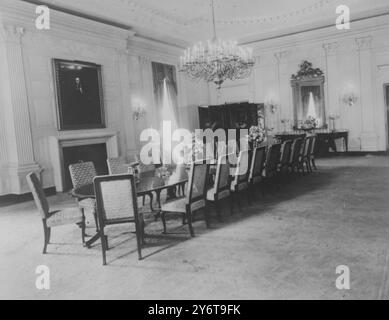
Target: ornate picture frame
309,98
79,92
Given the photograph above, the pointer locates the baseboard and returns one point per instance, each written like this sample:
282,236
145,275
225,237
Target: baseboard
11,199
355,154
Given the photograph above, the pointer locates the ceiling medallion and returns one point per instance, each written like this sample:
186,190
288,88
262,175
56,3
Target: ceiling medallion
217,60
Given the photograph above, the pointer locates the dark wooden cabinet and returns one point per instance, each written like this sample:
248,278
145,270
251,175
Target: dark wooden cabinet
231,116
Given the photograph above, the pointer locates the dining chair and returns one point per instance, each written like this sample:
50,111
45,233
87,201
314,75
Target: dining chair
55,218
303,159
221,188
195,198
286,151
120,166
312,153
295,154
257,166
82,175
116,203
270,172
240,177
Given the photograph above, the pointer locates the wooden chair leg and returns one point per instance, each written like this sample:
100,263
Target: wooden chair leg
163,221
189,219
231,204
103,246
96,220
218,211
143,231
248,196
139,238
206,215
83,229
46,236
314,164
238,195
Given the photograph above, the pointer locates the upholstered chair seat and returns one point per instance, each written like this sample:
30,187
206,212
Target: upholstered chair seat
211,194
239,186
64,217
88,204
176,205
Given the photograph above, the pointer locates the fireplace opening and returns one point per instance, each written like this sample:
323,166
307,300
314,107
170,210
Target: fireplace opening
96,153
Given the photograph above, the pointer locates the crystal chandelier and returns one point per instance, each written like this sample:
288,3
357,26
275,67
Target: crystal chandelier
217,60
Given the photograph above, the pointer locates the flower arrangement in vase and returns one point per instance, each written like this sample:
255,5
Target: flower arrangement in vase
310,123
256,136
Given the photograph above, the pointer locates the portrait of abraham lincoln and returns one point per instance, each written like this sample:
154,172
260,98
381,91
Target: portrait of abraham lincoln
79,95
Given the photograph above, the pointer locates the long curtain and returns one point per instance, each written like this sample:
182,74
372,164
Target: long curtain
165,92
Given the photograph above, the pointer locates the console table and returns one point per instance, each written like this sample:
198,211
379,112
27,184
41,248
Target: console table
325,138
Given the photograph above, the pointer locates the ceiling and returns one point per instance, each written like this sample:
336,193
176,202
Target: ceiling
182,22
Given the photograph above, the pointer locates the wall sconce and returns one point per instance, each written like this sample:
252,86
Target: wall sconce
350,99
139,112
272,106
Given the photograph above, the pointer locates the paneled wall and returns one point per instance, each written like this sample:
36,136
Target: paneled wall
28,113
354,61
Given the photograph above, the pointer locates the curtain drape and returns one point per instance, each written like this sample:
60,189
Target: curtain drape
165,92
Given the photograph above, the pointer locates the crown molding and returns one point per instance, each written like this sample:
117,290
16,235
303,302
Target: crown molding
327,34
64,25
330,48
154,50
364,43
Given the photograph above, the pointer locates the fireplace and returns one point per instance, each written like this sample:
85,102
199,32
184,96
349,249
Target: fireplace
96,153
71,148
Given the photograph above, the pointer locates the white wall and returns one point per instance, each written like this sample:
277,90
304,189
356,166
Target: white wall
354,61
28,112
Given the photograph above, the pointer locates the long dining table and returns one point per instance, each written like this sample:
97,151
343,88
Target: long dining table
148,183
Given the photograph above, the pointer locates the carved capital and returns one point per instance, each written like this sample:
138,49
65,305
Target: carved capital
144,60
364,43
330,48
11,33
257,60
281,56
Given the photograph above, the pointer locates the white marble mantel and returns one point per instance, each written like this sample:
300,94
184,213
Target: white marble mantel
71,139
